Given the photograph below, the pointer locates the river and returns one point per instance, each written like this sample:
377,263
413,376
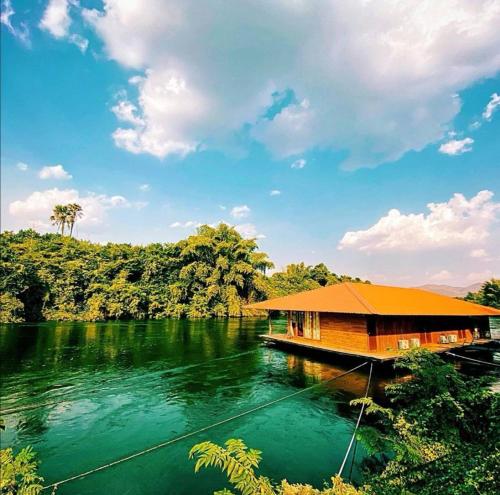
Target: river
85,394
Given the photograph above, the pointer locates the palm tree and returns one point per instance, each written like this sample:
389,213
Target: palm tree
59,217
75,212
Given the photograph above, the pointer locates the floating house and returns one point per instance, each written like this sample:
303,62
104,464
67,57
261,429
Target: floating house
376,321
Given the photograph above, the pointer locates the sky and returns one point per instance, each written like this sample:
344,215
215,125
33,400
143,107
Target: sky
361,134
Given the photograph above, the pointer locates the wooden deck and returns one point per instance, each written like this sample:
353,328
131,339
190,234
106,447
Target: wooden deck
381,356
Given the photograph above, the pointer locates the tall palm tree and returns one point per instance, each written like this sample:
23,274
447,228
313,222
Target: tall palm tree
59,217
75,212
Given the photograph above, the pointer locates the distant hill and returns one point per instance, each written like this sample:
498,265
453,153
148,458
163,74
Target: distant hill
449,290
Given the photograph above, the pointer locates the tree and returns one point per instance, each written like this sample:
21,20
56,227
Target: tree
59,217
75,212
488,295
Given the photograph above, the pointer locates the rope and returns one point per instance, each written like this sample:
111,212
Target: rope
357,422
27,407
472,359
193,433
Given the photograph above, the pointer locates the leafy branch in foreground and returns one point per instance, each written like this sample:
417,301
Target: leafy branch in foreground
239,463
18,473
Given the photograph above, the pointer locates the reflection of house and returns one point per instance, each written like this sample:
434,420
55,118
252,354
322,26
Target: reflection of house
378,321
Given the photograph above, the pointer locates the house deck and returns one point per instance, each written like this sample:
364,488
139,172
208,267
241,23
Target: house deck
381,356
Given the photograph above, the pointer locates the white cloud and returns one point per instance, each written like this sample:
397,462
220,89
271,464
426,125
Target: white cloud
491,106
56,19
375,96
21,32
241,211
249,231
144,187
79,41
127,112
456,147
300,163
456,222
36,209
223,207
22,166
275,192
480,276
441,276
478,253
56,172
185,225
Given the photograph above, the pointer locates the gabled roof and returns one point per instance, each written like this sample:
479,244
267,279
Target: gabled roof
370,299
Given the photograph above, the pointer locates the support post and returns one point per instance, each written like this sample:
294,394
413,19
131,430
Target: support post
270,323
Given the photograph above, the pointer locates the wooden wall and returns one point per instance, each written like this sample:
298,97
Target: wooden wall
344,331
351,331
390,329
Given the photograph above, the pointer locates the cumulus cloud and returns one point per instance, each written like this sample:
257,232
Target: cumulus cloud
457,222
22,166
456,146
249,231
478,253
275,192
20,32
480,276
56,172
56,19
441,276
300,163
37,207
144,187
185,225
374,96
79,41
491,106
241,211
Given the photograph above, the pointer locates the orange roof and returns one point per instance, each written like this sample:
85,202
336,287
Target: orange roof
358,298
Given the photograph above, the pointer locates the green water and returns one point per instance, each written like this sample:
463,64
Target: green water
84,394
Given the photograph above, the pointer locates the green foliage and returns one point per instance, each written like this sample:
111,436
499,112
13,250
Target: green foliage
441,434
239,463
299,277
213,273
488,295
18,473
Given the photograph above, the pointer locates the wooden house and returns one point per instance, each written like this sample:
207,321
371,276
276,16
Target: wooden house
377,321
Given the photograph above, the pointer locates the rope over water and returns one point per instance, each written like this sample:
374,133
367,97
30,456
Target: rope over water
357,422
472,359
193,433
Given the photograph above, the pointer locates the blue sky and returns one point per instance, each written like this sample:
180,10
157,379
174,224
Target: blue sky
305,125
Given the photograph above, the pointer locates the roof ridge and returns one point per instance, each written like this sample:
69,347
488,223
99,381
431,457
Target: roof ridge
361,299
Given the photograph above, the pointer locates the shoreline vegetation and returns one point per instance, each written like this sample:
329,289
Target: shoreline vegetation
212,273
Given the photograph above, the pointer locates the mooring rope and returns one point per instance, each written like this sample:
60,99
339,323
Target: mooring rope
201,430
472,359
36,405
357,422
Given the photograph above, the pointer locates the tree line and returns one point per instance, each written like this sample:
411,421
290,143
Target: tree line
212,273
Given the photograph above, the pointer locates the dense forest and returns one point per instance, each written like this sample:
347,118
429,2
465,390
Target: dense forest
212,273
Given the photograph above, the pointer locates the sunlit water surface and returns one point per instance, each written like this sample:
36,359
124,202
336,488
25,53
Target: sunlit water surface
85,394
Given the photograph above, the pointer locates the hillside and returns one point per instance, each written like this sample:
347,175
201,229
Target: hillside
451,291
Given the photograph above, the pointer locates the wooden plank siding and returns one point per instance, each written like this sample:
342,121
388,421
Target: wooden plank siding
370,333
345,331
